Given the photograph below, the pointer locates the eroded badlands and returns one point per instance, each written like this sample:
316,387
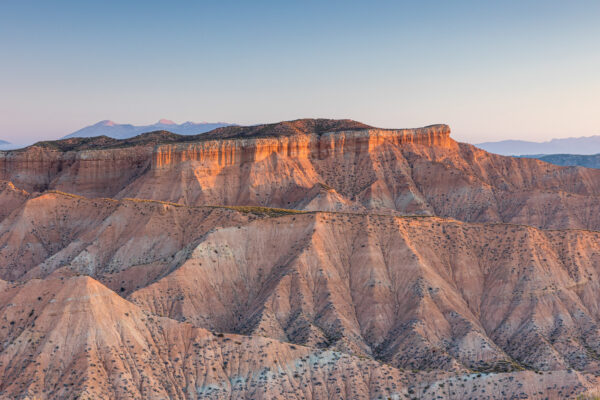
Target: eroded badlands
307,259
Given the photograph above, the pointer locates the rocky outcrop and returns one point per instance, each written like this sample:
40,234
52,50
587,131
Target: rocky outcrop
397,264
318,279
74,338
303,165
236,152
128,242
414,292
417,172
10,198
95,173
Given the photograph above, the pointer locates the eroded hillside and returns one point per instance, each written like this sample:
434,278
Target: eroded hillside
302,165
397,264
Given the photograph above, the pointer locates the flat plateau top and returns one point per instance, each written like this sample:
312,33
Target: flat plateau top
280,129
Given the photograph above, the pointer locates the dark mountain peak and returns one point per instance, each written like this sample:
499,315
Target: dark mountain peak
75,143
279,129
288,128
105,142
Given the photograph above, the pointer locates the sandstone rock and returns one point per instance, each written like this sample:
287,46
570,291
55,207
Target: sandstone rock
74,338
396,264
319,165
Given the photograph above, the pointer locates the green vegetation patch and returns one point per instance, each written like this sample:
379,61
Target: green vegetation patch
264,211
167,203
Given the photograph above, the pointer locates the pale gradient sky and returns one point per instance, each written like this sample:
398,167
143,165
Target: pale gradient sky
491,69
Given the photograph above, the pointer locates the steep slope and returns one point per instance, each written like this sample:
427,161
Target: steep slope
415,292
422,172
413,171
10,198
580,160
319,278
125,243
319,165
96,167
95,173
74,338
397,264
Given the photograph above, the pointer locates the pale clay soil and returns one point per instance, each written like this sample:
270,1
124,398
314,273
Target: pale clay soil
355,264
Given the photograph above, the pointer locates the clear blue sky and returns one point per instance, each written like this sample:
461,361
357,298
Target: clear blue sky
491,69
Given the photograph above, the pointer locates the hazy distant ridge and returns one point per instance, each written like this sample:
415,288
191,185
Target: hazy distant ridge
576,145
580,160
125,131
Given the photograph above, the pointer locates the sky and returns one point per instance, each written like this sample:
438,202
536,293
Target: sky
492,70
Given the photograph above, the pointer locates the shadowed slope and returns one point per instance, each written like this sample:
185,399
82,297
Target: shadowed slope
74,338
185,234
128,243
323,165
417,292
10,198
445,294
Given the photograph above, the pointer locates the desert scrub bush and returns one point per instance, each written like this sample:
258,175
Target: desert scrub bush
263,211
74,196
167,203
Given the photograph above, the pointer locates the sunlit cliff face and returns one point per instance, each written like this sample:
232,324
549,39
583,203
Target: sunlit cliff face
396,263
232,152
412,171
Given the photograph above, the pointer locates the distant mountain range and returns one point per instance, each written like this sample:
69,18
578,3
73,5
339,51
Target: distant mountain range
2,142
581,160
125,131
576,145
